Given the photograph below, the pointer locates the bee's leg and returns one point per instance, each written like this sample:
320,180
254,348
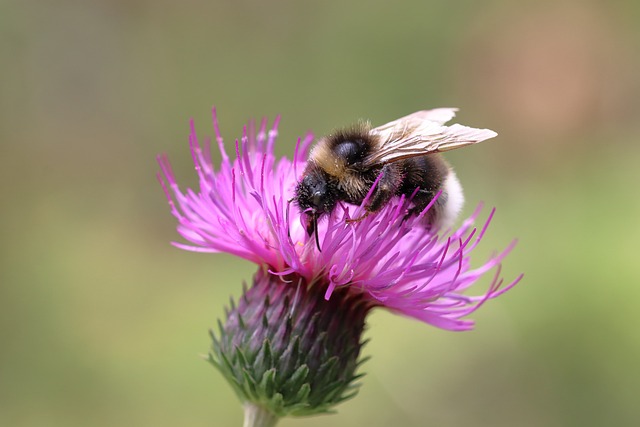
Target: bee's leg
386,188
421,200
360,218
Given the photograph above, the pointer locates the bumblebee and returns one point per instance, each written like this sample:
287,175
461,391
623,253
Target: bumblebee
401,155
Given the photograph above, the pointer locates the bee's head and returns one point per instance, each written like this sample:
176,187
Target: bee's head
316,195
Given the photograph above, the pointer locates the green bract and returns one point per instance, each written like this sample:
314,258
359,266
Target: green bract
285,348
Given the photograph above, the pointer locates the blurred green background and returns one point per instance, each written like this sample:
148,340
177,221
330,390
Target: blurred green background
102,321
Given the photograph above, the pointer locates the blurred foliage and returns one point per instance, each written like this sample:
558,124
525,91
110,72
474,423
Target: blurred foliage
102,321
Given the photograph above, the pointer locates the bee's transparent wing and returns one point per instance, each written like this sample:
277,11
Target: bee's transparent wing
437,115
422,133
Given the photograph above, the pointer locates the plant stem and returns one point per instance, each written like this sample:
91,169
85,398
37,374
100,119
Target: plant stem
257,416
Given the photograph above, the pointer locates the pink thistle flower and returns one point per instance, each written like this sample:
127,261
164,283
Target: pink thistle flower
243,207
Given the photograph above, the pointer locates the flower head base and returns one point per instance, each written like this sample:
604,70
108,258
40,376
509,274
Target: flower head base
244,207
284,347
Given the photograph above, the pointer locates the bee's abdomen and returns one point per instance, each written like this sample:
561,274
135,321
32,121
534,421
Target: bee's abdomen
427,173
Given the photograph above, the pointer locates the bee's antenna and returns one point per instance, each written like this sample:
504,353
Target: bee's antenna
315,227
287,217
311,220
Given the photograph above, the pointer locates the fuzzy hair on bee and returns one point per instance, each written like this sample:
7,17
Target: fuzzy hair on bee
403,156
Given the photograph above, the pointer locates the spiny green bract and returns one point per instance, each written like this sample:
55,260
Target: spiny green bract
286,348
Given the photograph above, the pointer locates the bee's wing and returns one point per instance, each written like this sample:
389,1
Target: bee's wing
422,133
437,115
